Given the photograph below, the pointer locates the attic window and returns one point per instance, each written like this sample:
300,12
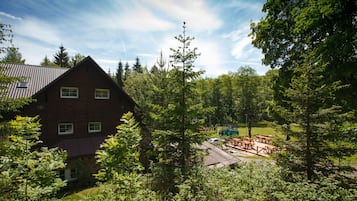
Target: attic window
102,93
69,92
22,85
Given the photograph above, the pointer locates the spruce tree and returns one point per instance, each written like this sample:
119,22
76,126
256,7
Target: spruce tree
61,57
119,74
127,71
326,135
137,66
176,141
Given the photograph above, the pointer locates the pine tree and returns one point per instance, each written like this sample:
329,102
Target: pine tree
61,58
119,74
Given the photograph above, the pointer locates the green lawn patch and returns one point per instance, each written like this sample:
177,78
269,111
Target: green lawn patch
81,194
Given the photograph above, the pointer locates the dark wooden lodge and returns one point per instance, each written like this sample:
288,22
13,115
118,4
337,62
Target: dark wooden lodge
78,108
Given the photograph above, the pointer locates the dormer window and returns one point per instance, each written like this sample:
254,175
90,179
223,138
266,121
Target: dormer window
23,85
102,94
69,92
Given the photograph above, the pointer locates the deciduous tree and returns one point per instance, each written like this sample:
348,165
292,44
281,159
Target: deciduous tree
28,172
119,158
76,59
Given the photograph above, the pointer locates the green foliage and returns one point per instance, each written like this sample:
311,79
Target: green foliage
47,62
229,98
76,59
119,157
111,192
9,106
325,28
13,56
259,181
313,43
27,172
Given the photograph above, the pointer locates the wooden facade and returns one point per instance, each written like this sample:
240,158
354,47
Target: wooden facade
78,109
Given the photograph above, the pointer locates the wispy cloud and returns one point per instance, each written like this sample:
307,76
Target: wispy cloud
12,17
38,30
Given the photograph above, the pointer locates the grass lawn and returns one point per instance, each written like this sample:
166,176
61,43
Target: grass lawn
260,128
81,194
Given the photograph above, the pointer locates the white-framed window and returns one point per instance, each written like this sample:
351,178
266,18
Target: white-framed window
102,94
69,92
65,128
94,127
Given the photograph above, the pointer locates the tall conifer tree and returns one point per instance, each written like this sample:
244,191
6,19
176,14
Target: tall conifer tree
176,142
119,74
61,58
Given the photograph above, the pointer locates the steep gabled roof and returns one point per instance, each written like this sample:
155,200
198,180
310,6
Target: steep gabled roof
39,78
35,78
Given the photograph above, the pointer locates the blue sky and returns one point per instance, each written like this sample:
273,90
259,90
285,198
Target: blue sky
113,30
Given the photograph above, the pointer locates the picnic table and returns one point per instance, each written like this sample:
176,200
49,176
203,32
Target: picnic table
264,139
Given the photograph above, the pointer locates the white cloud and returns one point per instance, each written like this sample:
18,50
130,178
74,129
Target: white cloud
195,13
37,30
133,17
212,59
143,19
242,47
33,53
